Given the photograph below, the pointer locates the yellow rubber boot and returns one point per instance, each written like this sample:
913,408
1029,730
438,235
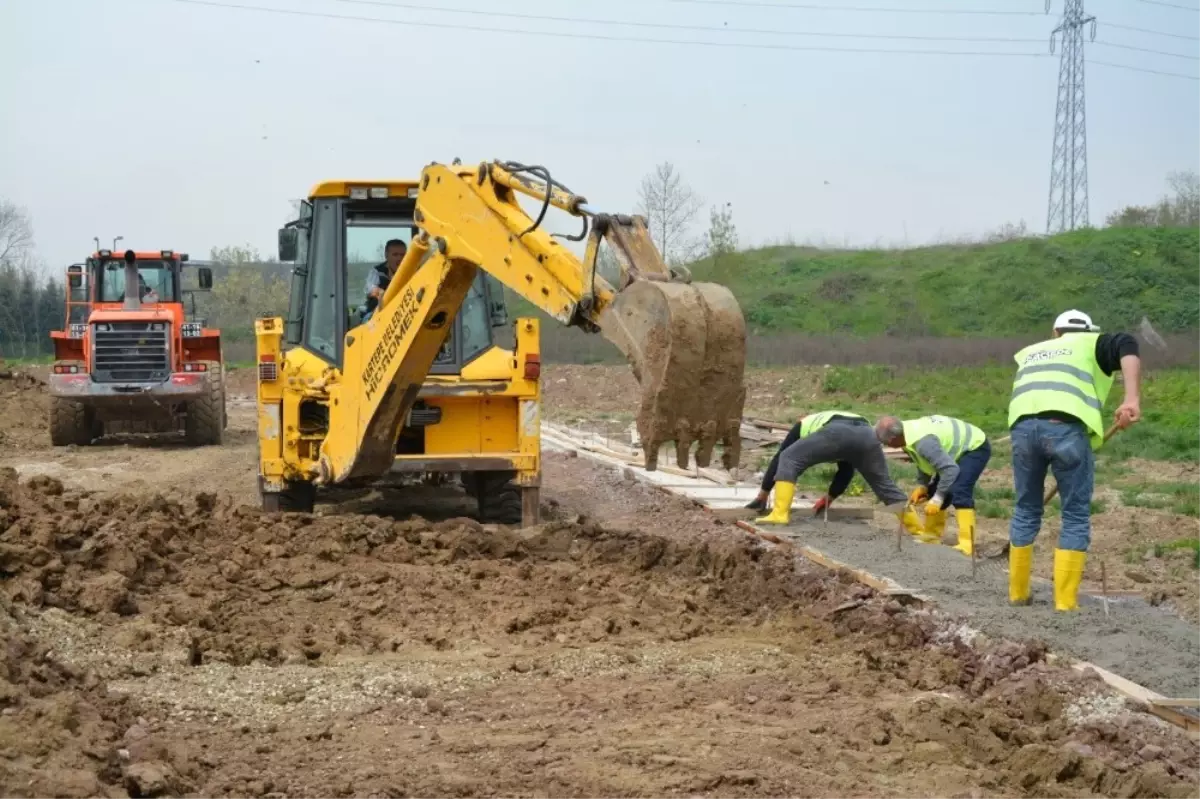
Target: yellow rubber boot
1068,574
966,529
1020,568
781,509
935,525
912,523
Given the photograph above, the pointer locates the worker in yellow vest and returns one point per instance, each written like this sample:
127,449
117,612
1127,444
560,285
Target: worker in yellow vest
839,437
950,456
1056,417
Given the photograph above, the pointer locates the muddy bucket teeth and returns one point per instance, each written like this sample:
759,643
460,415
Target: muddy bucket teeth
686,343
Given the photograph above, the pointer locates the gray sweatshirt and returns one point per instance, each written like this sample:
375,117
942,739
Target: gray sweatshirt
931,450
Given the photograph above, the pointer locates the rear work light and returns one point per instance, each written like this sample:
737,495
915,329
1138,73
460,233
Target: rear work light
533,367
379,192
66,369
195,367
358,193
167,253
267,368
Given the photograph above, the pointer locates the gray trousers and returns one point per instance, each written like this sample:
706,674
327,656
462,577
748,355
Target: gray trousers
842,441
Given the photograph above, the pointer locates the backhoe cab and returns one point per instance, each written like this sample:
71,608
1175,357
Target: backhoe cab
130,358
436,380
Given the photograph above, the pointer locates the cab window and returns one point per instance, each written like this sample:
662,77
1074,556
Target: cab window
156,281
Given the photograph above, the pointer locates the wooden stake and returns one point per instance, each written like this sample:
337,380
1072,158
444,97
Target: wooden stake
1104,588
973,561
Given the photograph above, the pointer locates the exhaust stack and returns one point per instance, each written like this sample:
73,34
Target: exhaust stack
133,293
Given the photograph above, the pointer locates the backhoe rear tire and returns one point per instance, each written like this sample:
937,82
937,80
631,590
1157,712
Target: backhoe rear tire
498,497
296,498
205,422
71,423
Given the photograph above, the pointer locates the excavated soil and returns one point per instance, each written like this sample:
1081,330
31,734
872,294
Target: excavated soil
161,637
156,648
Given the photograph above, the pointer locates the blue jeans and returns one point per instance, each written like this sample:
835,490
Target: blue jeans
1064,449
970,469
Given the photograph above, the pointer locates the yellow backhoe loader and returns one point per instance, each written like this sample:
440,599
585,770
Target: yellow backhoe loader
426,385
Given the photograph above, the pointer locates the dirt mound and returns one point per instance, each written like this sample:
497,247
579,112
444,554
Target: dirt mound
61,733
24,411
342,655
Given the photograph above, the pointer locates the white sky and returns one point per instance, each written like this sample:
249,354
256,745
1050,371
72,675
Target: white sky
188,126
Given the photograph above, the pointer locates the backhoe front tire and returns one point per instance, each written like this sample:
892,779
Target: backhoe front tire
71,423
295,498
498,498
205,421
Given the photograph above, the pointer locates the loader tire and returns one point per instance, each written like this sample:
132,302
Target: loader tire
499,498
205,422
71,423
296,498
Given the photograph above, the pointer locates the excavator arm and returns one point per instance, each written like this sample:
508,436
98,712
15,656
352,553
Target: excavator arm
685,341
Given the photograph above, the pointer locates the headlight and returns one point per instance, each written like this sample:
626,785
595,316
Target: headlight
77,330
190,329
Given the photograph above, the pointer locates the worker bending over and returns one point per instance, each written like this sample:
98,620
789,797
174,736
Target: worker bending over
1057,422
837,437
759,502
950,455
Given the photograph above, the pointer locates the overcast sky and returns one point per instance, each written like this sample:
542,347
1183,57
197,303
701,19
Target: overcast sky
187,126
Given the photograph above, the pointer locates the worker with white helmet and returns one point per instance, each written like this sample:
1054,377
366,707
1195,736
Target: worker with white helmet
1055,414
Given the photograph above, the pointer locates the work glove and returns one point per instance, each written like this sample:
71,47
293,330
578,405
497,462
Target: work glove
820,505
934,505
919,493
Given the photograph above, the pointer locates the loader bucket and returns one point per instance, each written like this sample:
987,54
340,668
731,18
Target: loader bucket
686,343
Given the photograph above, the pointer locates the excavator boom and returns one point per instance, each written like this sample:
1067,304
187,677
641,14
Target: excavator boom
685,341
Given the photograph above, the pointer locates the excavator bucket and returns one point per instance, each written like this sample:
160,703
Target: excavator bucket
686,343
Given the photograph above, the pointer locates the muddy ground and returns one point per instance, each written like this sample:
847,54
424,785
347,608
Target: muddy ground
163,637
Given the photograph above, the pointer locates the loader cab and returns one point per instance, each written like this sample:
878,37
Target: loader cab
336,243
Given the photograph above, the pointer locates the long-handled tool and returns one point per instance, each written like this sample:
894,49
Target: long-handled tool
1051,494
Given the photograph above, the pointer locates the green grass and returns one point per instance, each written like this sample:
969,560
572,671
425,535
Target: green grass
1181,498
1119,273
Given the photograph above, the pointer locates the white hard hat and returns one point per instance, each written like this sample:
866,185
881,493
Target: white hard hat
1075,320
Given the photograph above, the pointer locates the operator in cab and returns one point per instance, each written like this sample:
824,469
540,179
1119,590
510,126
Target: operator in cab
380,275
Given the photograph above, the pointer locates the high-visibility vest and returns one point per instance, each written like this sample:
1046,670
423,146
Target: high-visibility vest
1062,375
814,422
956,437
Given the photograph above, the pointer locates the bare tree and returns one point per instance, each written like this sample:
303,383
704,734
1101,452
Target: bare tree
16,232
1186,185
670,207
722,233
1181,210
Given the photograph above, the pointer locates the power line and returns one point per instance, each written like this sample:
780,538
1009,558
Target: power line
1143,69
1153,32
1170,5
637,40
602,37
684,27
874,9
1148,50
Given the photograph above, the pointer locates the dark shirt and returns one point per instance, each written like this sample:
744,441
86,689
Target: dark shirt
378,277
1110,349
